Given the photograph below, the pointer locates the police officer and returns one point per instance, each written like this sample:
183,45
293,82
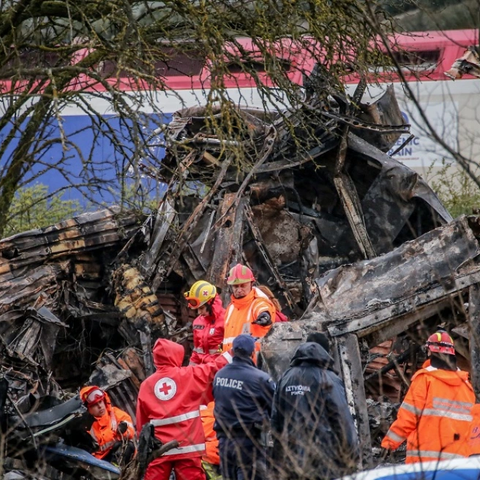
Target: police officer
243,401
313,431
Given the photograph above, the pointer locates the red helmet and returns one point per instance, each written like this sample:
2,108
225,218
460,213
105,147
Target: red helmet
91,395
441,342
240,274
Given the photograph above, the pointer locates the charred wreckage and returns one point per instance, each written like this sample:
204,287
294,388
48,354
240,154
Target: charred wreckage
352,242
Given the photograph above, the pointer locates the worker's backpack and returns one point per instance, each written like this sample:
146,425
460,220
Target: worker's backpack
280,317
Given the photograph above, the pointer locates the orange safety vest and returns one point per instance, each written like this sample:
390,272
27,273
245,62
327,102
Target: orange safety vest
211,440
434,417
240,314
104,430
474,434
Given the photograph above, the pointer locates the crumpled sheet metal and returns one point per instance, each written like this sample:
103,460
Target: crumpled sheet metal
396,204
36,261
390,200
353,291
468,64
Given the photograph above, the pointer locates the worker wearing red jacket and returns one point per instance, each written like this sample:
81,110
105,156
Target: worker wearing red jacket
170,400
112,428
435,416
250,311
208,326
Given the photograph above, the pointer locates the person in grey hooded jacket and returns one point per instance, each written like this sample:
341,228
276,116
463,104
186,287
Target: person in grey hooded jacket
313,430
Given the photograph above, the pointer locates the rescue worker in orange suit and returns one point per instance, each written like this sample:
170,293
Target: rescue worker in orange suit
170,400
211,458
250,310
112,428
435,415
209,325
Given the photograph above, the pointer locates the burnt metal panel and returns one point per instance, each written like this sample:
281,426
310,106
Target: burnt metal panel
353,291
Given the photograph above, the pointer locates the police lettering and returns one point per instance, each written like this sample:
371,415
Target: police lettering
297,389
229,383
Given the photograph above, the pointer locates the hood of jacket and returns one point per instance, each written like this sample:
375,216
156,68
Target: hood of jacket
167,353
218,312
450,378
313,353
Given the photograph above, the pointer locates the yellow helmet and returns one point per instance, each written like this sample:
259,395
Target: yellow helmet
200,293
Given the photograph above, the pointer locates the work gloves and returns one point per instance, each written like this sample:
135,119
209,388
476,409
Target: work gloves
122,428
263,320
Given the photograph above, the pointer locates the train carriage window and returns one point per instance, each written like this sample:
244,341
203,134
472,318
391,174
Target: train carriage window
187,64
22,62
171,64
417,60
253,66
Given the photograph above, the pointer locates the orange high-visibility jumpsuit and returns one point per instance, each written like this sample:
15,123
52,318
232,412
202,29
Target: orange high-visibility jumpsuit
240,314
104,429
211,440
434,417
474,432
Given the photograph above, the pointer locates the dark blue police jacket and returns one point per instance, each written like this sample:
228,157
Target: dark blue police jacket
243,397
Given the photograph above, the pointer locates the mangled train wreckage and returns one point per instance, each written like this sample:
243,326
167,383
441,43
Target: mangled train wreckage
352,242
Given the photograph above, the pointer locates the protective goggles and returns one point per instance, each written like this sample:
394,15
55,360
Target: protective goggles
94,396
193,302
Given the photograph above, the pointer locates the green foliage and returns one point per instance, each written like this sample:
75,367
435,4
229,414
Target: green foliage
456,190
33,207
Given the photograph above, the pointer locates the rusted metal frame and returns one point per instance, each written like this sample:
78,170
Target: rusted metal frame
268,145
193,262
474,321
278,165
358,93
412,268
257,237
347,192
400,373
370,323
352,372
184,165
397,325
391,365
209,227
25,344
146,343
374,127
349,197
351,205
165,216
228,242
35,246
187,228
